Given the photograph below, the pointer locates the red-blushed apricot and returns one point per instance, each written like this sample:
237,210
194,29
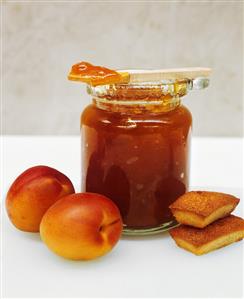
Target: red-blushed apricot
32,193
81,226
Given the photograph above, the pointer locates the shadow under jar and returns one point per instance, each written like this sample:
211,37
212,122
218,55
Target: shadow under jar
135,150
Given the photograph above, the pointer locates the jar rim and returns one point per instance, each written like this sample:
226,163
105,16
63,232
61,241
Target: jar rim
140,90
173,87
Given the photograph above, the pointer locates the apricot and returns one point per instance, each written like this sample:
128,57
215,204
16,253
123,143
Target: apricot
32,193
81,226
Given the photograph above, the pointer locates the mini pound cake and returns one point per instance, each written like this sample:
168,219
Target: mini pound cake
216,235
200,208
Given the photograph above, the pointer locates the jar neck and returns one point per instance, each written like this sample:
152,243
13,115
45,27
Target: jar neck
137,106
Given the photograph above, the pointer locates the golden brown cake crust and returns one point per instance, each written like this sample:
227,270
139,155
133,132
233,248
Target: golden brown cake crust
198,237
203,203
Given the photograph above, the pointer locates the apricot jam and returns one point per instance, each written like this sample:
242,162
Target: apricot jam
135,150
96,75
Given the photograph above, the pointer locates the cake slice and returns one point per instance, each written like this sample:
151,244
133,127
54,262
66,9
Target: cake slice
216,235
200,208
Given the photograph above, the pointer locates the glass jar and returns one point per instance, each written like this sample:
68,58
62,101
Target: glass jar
135,150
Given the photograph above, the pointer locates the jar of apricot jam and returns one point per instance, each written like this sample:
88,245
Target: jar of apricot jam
135,150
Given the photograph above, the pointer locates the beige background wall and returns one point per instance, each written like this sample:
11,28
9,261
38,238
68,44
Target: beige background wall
42,40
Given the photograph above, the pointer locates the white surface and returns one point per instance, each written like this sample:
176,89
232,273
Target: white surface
138,267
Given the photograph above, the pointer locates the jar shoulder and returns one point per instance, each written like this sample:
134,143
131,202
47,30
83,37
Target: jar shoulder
93,116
